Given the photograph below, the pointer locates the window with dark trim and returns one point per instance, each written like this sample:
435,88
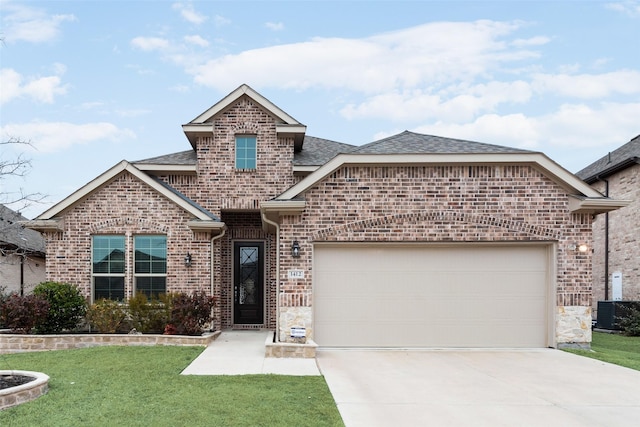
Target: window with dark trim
108,263
246,152
150,261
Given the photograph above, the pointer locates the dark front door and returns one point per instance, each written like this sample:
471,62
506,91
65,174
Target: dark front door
248,282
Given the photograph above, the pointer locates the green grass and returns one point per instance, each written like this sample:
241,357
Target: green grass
141,386
614,348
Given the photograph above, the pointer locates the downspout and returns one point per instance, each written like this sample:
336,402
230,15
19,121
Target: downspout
606,242
277,226
22,257
213,239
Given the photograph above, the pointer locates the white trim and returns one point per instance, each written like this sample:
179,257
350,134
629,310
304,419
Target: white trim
233,96
172,168
111,174
551,169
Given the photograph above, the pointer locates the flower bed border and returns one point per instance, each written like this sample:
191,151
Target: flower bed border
27,392
18,343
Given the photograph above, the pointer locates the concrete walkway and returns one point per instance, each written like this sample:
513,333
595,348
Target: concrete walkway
243,353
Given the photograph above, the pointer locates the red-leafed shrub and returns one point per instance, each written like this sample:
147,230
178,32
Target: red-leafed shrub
190,313
21,314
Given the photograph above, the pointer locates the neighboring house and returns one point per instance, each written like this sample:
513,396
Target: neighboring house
616,248
410,241
22,254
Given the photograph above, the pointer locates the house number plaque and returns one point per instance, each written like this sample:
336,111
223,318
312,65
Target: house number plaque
295,274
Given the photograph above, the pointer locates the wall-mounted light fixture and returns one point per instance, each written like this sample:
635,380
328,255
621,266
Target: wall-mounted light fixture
580,247
295,249
187,260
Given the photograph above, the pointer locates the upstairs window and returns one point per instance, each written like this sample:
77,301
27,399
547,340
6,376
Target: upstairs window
108,267
246,152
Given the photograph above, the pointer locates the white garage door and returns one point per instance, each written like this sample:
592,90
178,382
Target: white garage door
431,296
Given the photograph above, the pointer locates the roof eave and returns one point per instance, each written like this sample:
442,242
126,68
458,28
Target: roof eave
157,168
551,169
45,225
274,209
612,170
213,227
595,205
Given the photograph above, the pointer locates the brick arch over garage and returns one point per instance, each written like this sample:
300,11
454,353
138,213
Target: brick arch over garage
437,225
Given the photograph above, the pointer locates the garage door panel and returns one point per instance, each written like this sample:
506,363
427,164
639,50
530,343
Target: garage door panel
421,296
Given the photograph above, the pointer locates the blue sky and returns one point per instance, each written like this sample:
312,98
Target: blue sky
90,83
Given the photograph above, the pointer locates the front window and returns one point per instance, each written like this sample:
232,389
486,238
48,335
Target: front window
246,152
150,265
108,267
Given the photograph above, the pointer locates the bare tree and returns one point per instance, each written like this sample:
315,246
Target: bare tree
15,166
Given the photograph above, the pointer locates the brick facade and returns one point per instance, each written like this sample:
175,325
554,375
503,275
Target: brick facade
624,237
489,202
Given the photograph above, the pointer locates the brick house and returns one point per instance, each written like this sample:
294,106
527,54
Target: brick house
411,241
616,235
22,254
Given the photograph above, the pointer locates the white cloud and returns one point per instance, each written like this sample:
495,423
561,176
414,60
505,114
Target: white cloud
572,126
429,54
48,137
150,43
274,26
196,40
24,23
39,89
589,86
221,21
628,7
454,103
189,14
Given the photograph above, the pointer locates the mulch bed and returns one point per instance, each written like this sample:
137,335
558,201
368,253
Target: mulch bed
7,381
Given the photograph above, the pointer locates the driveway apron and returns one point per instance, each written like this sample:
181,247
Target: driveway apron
542,387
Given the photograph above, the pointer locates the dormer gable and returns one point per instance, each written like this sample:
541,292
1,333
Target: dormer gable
287,126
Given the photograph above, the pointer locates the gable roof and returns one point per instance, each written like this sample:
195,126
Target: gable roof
203,218
14,235
617,160
408,148
415,143
288,125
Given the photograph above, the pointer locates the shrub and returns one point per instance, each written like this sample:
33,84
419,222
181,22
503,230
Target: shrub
630,320
190,313
149,316
67,306
21,314
106,316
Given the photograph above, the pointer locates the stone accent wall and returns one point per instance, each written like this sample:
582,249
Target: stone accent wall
24,393
436,204
624,238
573,325
14,343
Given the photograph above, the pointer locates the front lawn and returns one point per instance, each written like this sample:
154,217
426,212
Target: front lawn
141,386
614,348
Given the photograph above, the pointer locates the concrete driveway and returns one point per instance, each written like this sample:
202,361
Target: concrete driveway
479,388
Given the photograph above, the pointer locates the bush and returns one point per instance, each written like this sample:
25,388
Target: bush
190,313
67,306
106,315
149,316
21,314
630,320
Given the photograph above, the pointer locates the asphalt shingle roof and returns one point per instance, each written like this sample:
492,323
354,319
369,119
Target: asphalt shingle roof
181,158
318,151
14,235
416,143
618,159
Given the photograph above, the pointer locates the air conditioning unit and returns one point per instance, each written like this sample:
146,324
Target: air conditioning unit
609,313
